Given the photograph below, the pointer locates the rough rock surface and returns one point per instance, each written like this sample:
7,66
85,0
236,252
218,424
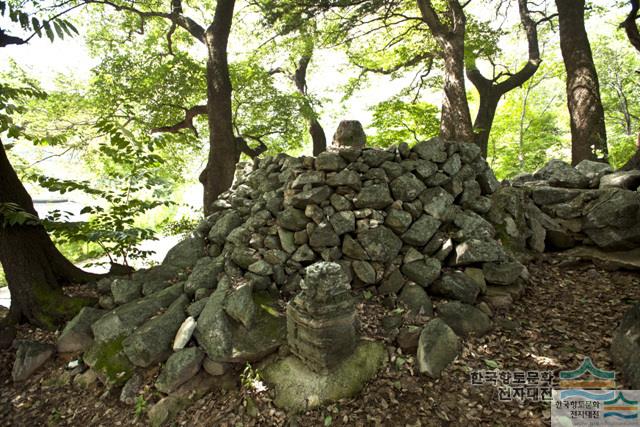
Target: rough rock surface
625,347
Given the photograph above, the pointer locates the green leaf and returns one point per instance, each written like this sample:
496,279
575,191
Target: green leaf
24,20
328,420
35,23
491,363
71,27
48,30
58,29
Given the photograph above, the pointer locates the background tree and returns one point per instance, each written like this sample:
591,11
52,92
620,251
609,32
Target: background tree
631,28
588,131
35,270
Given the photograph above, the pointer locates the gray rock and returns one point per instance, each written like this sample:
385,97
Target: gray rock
473,226
292,219
469,152
287,240
323,236
433,150
204,274
421,231
343,222
487,180
315,195
30,356
392,283
313,178
611,221
452,165
353,249
77,335
223,226
436,202
180,368
374,158
330,161
185,253
475,251
345,178
416,299
239,305
392,169
464,319
152,342
398,220
213,331
364,271
625,347
303,254
561,174
340,203
594,171
380,243
350,134
425,169
438,346
125,290
261,267
551,195
504,273
375,196
406,187
422,272
131,389
629,180
124,319
456,285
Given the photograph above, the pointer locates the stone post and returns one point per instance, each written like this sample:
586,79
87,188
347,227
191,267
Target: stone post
321,318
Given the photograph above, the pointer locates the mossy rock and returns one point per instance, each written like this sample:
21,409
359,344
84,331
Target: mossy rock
109,362
298,388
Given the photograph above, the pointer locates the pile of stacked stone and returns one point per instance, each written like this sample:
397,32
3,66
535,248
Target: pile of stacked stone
586,205
407,222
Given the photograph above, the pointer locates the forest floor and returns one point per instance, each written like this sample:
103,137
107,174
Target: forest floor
569,311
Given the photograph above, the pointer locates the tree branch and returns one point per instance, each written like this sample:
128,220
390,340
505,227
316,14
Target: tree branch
6,39
243,147
175,16
630,26
187,123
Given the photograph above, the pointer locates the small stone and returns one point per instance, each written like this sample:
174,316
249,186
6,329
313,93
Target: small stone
184,333
329,161
392,283
422,272
421,231
464,319
303,254
416,300
375,196
398,220
504,273
30,356
180,368
474,251
261,267
343,222
406,187
456,285
324,236
345,178
438,346
364,271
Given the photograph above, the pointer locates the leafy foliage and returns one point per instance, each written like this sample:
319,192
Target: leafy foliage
53,26
397,121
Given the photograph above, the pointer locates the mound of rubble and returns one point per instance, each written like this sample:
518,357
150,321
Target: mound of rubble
408,223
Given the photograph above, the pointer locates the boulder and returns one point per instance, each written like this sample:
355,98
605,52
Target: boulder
415,298
380,243
456,285
594,171
464,319
349,134
421,231
180,367
406,187
628,180
374,196
476,251
561,174
30,355
297,388
625,347
423,272
438,346
503,273
77,334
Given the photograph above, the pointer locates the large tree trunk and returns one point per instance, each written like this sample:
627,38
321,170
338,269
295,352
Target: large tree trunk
455,119
588,132
631,28
489,99
35,269
224,154
455,122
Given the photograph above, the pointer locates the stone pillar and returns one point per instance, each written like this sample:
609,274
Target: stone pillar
349,134
321,318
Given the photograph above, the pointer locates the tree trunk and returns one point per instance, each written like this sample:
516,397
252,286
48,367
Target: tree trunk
455,121
316,131
35,269
489,99
224,154
588,132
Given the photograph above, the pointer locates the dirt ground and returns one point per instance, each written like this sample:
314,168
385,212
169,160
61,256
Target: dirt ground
569,311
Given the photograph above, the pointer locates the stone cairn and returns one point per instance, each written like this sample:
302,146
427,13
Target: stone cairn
407,223
321,319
